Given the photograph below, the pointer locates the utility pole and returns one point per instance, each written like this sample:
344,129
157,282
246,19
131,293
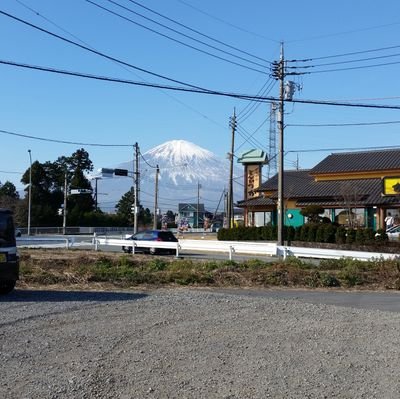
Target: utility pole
65,204
95,193
281,207
156,199
230,214
30,193
136,189
198,204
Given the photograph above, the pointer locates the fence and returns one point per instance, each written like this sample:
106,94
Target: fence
213,246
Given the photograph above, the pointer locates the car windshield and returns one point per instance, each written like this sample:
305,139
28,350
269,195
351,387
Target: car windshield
7,235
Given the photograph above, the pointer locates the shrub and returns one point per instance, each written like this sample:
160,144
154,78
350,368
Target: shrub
313,279
350,236
157,264
312,232
329,233
340,235
304,232
319,235
328,280
289,233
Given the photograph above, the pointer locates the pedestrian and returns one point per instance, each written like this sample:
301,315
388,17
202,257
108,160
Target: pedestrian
389,220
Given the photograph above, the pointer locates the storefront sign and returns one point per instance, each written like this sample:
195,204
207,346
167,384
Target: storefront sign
391,186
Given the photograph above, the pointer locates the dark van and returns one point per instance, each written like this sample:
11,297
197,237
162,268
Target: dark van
9,259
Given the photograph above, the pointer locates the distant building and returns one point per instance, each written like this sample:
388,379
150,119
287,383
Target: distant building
357,189
193,214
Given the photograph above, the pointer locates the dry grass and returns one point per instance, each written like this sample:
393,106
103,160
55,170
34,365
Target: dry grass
83,269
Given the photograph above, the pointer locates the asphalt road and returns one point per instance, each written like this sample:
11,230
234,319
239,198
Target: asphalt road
371,300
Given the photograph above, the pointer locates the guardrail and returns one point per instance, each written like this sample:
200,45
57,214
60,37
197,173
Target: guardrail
301,252
43,242
245,247
228,247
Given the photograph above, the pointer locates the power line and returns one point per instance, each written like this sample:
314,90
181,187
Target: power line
252,107
248,137
122,66
344,62
345,54
63,141
226,22
199,90
199,33
145,161
342,124
11,172
350,68
346,149
97,52
179,41
342,33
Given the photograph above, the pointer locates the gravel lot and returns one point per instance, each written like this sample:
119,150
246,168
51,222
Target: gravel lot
181,343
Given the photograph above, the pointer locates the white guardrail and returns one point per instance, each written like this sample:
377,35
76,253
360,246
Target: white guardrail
45,242
245,247
228,247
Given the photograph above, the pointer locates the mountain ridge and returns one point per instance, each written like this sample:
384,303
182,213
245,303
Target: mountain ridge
188,173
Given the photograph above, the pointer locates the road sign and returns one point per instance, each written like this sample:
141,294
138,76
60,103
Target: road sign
80,191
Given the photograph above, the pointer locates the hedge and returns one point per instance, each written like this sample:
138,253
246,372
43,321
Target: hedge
310,232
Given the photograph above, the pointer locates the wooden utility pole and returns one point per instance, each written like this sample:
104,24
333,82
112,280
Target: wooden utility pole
230,214
156,199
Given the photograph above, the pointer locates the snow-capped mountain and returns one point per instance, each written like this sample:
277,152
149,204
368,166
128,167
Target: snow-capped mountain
187,172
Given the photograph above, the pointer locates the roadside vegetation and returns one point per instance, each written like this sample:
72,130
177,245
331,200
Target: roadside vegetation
75,269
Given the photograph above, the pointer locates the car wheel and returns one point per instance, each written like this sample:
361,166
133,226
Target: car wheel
6,286
152,251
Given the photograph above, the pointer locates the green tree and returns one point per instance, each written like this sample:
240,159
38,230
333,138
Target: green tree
8,190
125,212
124,206
9,198
312,213
48,181
74,168
46,194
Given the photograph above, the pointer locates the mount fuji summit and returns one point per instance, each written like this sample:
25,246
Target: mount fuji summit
188,173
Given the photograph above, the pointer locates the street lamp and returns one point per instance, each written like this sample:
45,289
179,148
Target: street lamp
30,193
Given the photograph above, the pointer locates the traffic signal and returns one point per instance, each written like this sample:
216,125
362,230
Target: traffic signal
60,211
120,172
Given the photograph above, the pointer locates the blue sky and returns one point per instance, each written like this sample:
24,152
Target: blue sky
64,108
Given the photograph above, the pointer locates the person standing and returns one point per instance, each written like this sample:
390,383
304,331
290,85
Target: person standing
389,221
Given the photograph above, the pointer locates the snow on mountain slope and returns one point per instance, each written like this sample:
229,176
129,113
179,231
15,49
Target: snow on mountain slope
186,172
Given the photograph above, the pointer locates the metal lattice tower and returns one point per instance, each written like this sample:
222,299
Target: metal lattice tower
272,149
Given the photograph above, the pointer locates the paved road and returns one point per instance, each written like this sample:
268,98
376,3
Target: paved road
385,301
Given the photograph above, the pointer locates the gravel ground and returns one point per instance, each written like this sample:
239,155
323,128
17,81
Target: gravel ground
181,343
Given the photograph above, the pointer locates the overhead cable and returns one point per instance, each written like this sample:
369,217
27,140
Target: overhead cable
200,91
342,124
345,54
97,52
179,41
198,32
185,35
63,141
